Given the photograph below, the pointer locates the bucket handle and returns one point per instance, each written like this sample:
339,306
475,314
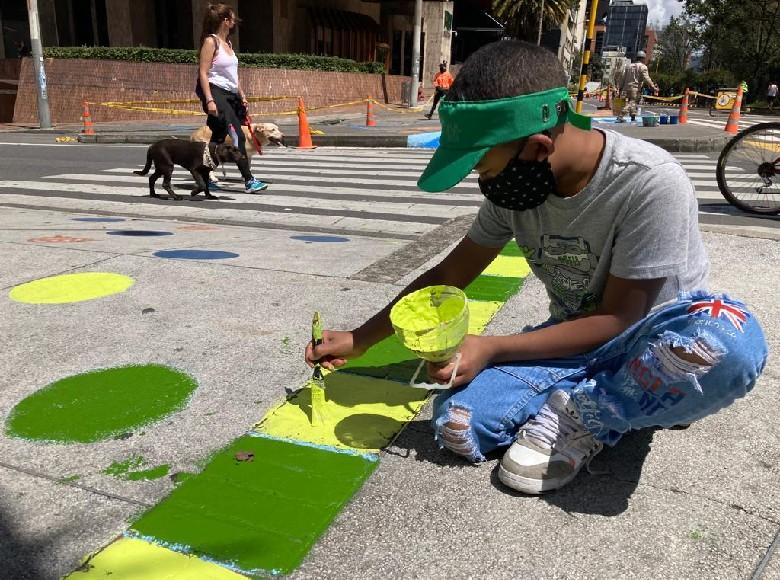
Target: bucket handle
434,386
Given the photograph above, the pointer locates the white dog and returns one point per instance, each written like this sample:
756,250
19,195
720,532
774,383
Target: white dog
264,132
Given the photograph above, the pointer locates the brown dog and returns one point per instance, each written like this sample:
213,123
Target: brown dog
198,158
264,132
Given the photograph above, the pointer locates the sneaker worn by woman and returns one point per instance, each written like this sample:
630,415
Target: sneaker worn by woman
550,448
254,185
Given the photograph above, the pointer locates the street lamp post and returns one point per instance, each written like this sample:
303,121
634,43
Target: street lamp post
415,53
44,116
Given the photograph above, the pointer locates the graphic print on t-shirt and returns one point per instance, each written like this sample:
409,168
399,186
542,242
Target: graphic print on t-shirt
566,266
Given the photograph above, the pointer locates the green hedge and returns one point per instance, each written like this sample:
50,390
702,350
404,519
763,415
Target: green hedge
177,56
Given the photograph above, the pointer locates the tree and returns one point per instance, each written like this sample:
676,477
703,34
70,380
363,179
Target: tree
740,39
522,16
676,43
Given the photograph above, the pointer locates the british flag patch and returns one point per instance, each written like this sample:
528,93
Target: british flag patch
718,308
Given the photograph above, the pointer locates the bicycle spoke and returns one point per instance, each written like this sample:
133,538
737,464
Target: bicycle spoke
753,153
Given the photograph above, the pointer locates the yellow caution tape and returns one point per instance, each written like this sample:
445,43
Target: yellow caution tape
151,106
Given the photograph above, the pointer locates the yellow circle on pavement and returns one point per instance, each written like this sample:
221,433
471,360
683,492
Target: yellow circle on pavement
71,288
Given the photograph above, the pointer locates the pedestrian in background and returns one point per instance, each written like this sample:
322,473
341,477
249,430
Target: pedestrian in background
442,81
635,75
218,88
771,95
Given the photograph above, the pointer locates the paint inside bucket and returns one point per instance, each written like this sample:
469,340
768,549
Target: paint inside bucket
432,322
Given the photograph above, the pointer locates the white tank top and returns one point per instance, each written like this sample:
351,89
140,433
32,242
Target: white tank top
224,68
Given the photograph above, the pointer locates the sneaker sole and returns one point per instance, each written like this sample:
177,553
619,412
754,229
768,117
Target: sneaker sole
530,486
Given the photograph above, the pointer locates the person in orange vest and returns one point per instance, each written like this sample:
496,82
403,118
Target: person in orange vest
442,81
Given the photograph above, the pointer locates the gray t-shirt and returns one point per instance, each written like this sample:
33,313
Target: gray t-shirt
636,219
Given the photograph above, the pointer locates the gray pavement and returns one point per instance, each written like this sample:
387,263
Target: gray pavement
695,503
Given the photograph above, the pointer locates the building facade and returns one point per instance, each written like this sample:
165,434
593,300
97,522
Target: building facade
626,25
363,30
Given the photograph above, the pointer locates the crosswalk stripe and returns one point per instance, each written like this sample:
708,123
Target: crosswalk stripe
304,169
418,207
293,220
319,179
234,184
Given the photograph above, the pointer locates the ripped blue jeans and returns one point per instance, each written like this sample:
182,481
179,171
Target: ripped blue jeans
684,361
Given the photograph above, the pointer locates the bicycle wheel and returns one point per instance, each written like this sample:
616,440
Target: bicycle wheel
748,169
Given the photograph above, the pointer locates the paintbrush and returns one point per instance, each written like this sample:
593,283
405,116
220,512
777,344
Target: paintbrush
317,382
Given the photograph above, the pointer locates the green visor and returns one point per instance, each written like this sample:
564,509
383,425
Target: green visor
471,128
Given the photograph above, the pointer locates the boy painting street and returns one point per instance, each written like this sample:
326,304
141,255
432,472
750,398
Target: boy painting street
609,225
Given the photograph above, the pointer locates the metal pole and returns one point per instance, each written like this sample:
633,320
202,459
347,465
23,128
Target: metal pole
585,71
44,116
415,53
541,21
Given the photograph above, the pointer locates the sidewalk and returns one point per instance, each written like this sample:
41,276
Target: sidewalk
348,129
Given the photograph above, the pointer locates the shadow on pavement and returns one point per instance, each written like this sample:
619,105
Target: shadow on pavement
17,560
606,491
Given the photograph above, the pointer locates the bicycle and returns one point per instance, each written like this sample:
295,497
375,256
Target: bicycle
748,170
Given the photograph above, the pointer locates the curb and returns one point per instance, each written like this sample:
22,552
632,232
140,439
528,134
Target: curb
290,141
693,144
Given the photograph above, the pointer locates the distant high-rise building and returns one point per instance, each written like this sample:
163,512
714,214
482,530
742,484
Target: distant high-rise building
626,24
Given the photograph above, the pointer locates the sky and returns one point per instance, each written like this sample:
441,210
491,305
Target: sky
660,11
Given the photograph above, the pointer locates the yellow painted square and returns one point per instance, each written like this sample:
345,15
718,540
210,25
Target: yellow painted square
509,266
360,413
133,559
481,313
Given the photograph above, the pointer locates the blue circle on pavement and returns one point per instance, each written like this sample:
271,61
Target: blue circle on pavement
138,233
323,239
98,219
195,254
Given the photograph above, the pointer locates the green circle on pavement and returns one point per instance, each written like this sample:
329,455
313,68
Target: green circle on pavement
100,404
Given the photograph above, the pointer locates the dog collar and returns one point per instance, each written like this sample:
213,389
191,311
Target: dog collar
208,161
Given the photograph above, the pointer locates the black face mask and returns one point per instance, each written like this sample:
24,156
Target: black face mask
521,185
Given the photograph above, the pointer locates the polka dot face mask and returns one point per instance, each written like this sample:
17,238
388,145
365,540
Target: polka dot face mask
521,185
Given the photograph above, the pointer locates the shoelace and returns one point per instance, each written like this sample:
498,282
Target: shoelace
549,427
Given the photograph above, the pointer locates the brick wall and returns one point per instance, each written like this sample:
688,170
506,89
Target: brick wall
9,74
71,81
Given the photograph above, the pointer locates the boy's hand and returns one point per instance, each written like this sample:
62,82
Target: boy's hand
337,348
476,353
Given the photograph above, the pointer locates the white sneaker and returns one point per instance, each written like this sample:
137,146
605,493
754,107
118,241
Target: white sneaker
550,449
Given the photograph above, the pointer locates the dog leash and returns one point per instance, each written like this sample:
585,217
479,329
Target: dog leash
255,140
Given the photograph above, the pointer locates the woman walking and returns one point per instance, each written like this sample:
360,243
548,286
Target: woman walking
218,88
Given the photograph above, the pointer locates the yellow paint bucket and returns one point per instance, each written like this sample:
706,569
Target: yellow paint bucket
618,104
432,323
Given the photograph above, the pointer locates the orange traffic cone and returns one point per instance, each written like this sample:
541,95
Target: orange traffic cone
684,108
370,112
89,128
732,125
304,133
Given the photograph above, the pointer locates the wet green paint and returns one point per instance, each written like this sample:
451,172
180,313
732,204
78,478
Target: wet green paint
493,288
262,515
387,359
120,468
128,469
148,474
511,249
100,404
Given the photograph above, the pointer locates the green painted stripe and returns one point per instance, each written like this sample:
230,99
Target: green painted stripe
262,515
511,249
493,288
387,359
